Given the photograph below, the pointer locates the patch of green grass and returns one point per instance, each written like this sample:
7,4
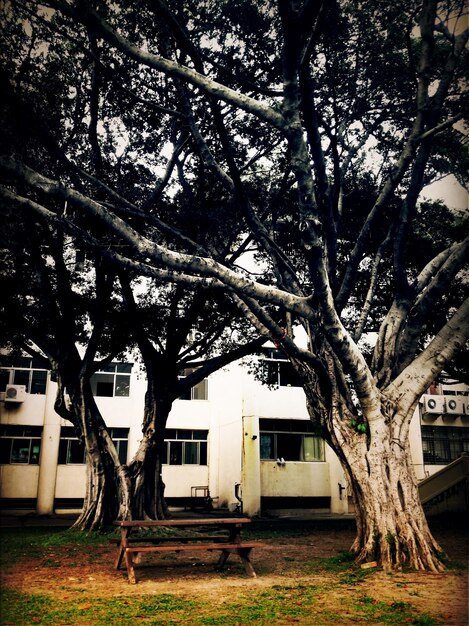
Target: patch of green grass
278,604
274,533
19,608
454,565
354,576
343,564
50,563
371,611
31,542
49,537
366,599
425,620
335,564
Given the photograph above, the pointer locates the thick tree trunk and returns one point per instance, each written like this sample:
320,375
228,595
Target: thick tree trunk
95,514
145,469
375,455
107,495
391,524
147,482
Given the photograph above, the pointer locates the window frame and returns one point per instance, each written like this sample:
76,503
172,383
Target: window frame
16,433
279,371
192,394
72,441
276,429
179,439
118,375
33,378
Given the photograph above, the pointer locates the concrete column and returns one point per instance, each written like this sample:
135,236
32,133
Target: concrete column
49,455
251,466
48,469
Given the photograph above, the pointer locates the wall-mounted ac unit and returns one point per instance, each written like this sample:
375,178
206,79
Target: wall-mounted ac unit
195,336
433,404
15,393
454,405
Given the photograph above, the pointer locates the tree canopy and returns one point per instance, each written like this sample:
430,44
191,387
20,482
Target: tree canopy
178,139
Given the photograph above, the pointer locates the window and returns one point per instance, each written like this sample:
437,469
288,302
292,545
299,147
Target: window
185,447
20,444
72,450
112,381
278,371
197,392
443,444
291,440
27,372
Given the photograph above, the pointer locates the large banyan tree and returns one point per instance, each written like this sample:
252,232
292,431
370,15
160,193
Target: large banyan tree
319,123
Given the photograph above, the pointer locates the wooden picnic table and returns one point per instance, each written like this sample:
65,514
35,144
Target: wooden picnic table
229,542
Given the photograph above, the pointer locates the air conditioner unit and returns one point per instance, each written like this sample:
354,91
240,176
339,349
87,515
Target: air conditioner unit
433,404
195,336
455,406
15,393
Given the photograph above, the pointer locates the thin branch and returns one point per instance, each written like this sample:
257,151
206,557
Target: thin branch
88,16
417,377
371,289
143,246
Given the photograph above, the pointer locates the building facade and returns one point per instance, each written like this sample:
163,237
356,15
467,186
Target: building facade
233,441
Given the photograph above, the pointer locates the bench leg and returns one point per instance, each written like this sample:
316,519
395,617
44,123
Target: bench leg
130,567
120,554
243,554
125,532
223,559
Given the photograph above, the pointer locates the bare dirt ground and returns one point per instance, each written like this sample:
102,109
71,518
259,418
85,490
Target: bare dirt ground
68,572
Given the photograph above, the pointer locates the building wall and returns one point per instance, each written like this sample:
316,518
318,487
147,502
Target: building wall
236,402
454,419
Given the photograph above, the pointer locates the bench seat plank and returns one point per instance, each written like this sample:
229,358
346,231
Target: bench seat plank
242,549
182,522
173,539
195,546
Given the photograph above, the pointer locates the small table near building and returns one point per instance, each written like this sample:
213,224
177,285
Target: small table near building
227,541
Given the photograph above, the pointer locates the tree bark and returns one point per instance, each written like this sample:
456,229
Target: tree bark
107,495
375,456
391,524
145,469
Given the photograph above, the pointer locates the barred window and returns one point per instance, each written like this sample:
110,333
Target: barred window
443,444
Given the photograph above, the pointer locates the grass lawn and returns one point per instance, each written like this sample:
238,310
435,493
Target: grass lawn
52,576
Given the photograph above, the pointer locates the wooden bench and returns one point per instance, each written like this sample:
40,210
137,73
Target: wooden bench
130,547
243,550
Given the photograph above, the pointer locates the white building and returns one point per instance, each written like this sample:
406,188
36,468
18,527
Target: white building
233,437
